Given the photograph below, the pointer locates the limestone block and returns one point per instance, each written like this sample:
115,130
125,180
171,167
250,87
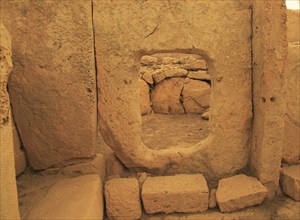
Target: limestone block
95,166
144,97
158,76
169,60
175,72
239,192
293,24
212,198
179,193
122,198
147,76
290,181
196,96
166,96
72,198
148,60
200,74
197,65
53,82
291,147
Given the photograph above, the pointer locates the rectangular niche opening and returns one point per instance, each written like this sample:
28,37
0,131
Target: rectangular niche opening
175,93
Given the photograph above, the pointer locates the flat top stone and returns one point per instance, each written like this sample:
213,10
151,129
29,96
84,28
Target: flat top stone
238,186
174,184
292,171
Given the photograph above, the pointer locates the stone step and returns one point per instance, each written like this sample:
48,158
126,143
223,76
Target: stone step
180,193
290,181
239,192
72,198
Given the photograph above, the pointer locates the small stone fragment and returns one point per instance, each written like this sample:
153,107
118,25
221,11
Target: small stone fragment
147,76
144,90
212,199
122,198
290,181
148,60
200,74
158,76
197,65
239,192
179,193
169,60
205,115
175,72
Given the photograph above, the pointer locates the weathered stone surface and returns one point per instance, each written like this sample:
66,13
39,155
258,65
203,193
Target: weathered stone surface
239,192
269,56
166,96
291,148
144,97
170,60
293,24
158,76
8,189
73,198
122,198
175,72
148,60
290,181
200,74
206,114
147,76
196,96
196,65
95,166
53,80
20,157
212,199
179,193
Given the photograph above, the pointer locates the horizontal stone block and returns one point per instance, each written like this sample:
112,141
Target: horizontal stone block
239,192
179,193
290,181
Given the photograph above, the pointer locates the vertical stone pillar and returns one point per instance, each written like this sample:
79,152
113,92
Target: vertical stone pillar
8,191
269,57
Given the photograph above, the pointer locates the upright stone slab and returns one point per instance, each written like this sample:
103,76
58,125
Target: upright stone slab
290,181
73,198
122,196
52,86
179,193
8,191
239,192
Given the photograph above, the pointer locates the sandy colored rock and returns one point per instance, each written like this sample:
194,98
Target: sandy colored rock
158,76
293,24
53,80
73,198
196,96
205,115
179,193
239,192
122,197
19,155
170,60
8,190
95,166
144,97
196,65
114,167
166,96
147,76
291,148
290,181
212,199
175,72
200,74
148,60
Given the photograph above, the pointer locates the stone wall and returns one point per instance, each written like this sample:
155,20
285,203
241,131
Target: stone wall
269,57
8,190
291,148
53,86
174,83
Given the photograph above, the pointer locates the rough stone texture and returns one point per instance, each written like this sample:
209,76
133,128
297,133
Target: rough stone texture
53,80
175,72
20,157
95,166
290,181
74,198
152,26
200,74
148,60
122,198
205,115
239,192
158,76
293,23
196,96
179,193
166,96
144,97
147,76
197,65
291,147
8,191
269,58
212,199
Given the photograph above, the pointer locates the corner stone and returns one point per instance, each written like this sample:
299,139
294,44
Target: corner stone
179,193
239,192
290,181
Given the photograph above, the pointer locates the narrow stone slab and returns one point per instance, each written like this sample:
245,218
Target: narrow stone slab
73,198
239,192
290,181
179,193
122,196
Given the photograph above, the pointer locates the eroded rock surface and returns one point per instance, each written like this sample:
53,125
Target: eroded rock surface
290,181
